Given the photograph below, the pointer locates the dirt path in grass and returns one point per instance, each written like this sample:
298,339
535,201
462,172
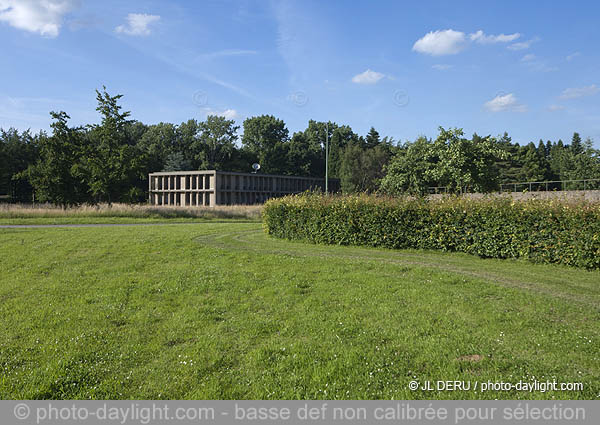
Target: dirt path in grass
256,241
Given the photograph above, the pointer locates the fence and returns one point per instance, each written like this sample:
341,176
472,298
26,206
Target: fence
554,185
545,186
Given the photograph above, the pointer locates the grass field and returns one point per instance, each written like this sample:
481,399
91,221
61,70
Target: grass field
219,310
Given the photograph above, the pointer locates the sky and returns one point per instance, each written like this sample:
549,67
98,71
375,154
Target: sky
529,68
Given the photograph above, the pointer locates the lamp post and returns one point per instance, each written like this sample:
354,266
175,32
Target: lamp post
327,157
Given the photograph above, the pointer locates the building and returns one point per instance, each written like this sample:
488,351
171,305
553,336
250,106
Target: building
212,187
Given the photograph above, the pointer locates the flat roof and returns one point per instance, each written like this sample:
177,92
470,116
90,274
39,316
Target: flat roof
196,172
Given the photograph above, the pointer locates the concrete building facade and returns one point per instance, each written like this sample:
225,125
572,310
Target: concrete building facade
212,187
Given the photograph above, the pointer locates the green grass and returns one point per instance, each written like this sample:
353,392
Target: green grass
219,310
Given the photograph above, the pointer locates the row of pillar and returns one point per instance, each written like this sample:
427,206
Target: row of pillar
184,182
184,199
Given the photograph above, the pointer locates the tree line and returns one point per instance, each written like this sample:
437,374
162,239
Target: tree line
110,161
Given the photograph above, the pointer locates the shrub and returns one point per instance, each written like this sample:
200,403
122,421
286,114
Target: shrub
565,232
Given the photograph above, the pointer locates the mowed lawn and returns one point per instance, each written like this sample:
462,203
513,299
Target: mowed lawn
220,310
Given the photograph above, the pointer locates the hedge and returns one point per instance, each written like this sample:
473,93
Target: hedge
564,232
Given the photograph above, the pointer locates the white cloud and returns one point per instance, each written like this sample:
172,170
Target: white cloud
575,92
137,24
367,77
438,43
481,38
506,102
528,58
554,108
573,56
441,66
41,16
523,44
229,114
450,42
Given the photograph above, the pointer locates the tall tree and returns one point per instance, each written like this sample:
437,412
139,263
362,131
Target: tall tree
216,142
341,137
576,144
509,165
535,167
304,156
266,136
113,161
157,143
17,152
57,175
361,169
372,138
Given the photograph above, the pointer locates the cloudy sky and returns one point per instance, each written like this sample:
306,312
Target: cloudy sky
403,67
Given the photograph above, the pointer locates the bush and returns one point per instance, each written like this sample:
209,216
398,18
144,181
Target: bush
553,231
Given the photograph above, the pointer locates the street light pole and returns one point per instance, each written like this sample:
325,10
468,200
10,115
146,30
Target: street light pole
327,157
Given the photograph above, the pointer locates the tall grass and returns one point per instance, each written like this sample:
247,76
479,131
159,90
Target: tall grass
10,211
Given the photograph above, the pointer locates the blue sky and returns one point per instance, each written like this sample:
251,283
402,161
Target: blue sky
529,68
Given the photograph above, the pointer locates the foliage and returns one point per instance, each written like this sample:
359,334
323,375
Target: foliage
409,170
304,156
540,231
17,152
177,162
362,169
57,175
216,142
451,161
110,161
266,137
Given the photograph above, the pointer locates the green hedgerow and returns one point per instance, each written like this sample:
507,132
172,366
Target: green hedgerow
548,231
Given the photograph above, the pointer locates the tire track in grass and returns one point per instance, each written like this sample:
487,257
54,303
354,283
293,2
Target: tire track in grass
257,241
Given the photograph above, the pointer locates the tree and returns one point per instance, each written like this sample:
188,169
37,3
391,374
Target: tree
576,144
17,152
306,153
186,141
176,162
266,136
351,177
372,138
216,142
113,162
361,170
557,159
157,143
535,167
304,156
509,165
464,163
409,169
56,176
582,165
341,137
